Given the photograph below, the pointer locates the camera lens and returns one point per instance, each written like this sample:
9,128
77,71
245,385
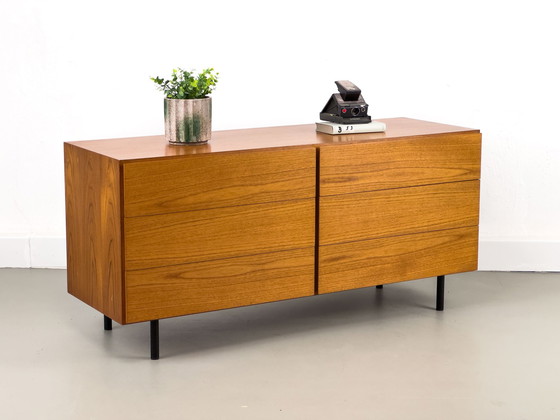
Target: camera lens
356,111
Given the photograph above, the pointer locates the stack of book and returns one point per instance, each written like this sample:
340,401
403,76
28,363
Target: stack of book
334,128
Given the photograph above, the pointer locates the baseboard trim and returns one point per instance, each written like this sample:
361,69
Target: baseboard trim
32,252
14,251
494,254
48,252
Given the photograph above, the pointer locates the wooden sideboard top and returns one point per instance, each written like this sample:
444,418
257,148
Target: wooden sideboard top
149,147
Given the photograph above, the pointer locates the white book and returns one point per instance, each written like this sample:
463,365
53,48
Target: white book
335,128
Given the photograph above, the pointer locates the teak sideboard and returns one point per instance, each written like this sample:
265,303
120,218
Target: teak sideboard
266,214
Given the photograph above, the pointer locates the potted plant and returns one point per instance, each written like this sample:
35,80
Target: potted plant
187,106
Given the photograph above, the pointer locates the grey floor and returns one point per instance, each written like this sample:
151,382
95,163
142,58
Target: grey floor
494,353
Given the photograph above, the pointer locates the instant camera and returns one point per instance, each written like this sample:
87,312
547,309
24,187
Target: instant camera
346,107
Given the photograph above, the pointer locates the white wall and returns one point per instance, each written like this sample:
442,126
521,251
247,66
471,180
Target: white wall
74,70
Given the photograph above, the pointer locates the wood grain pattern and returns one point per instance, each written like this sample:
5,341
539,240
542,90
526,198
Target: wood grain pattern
388,260
151,147
220,284
93,230
179,238
239,228
396,163
218,180
367,215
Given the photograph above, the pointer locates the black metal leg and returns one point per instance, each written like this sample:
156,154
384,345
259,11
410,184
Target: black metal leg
379,286
440,292
154,339
108,323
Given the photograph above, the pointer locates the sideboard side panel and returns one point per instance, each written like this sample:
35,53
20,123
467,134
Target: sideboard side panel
93,230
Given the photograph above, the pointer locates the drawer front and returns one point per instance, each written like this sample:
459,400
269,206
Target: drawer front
212,285
202,235
387,260
197,182
367,215
422,160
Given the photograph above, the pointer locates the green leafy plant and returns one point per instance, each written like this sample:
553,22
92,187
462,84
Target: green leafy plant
188,85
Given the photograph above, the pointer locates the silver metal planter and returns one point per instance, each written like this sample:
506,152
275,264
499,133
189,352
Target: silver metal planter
188,121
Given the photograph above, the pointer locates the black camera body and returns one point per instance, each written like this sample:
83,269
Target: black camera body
346,107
